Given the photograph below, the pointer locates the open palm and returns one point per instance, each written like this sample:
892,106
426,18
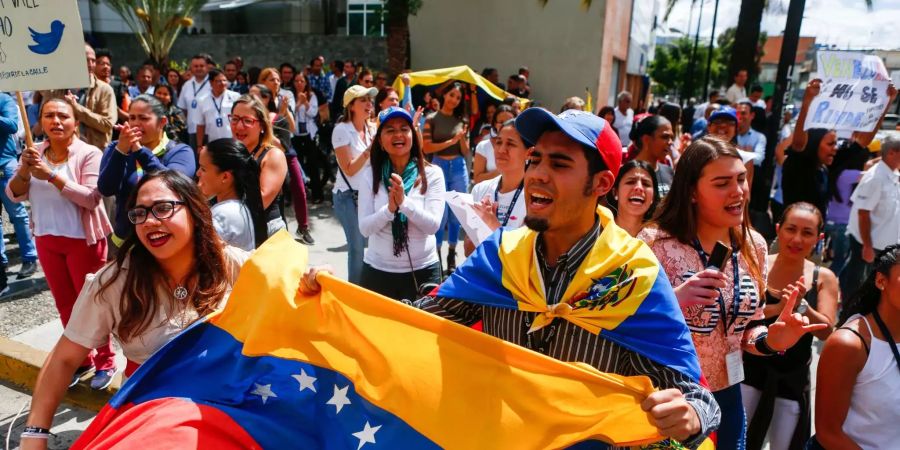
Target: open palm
790,326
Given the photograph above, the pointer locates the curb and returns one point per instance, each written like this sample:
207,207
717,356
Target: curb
26,287
20,365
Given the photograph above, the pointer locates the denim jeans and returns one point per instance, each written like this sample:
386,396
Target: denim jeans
19,217
345,210
840,246
732,432
456,178
855,269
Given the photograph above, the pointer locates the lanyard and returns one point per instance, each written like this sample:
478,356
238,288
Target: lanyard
736,300
219,106
198,89
512,204
887,336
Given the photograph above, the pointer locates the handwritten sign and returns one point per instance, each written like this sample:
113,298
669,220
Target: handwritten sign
41,45
854,92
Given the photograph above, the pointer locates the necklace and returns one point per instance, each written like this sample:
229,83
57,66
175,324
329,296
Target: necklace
50,160
180,293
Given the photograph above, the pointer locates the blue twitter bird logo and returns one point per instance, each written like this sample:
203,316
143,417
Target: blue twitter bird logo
46,43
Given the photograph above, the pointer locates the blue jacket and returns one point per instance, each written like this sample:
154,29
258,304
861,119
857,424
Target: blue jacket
119,175
9,126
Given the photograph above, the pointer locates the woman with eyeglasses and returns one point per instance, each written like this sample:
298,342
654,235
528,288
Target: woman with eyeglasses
446,138
251,124
401,204
69,221
143,146
168,275
484,166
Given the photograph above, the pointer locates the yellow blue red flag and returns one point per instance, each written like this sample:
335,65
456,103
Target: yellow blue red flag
619,292
348,369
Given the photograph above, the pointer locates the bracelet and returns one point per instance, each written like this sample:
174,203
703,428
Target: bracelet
51,177
35,432
763,347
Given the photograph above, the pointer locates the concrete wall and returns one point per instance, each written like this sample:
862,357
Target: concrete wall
259,50
616,31
561,44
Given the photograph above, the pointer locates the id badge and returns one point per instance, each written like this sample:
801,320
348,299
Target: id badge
194,104
734,363
219,122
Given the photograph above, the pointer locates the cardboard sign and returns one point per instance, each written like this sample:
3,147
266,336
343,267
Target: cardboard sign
853,95
41,45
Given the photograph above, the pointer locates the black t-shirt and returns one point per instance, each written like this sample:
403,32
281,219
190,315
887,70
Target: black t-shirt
664,175
805,180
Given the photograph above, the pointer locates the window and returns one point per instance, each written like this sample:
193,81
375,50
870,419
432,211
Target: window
365,17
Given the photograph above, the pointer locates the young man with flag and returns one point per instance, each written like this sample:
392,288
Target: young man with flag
576,287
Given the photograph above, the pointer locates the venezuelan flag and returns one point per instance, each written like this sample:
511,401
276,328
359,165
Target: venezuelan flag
348,369
619,292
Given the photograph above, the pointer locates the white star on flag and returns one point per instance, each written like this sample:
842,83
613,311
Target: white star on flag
339,399
306,381
264,391
367,435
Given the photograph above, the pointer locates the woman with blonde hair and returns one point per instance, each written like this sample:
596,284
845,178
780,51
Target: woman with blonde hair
250,124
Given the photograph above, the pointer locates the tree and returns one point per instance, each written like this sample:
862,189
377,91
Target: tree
156,23
726,44
670,66
397,14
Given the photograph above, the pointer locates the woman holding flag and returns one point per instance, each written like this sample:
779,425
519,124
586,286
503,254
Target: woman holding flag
168,275
721,300
401,211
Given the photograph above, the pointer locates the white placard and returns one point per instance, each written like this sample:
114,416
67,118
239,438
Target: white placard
854,92
461,206
41,45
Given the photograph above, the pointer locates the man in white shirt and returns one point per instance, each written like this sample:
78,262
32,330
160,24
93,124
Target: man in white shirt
875,216
737,90
748,139
624,117
215,107
191,92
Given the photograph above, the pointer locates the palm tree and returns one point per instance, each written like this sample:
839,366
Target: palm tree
156,23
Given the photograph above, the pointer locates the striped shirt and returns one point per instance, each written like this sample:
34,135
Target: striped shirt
566,341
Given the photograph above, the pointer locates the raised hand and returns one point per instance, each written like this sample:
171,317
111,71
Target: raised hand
486,210
129,138
812,90
790,326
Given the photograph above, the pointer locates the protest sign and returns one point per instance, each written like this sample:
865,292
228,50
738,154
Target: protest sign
41,45
461,206
854,92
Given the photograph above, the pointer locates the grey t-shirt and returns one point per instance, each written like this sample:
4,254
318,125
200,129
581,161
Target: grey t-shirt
234,224
443,128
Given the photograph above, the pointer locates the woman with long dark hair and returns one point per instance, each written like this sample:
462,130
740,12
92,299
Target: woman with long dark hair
652,137
776,389
722,306
176,122
230,176
401,211
167,275
143,146
857,382
251,124
446,138
634,196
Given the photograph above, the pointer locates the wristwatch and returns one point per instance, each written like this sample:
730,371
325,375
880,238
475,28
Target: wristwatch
803,306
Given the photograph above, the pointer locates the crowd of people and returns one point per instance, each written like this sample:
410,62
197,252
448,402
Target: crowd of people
144,172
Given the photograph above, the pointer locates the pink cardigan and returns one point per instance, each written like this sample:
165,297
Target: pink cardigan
84,162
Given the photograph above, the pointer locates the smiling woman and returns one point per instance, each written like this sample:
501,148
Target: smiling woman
168,275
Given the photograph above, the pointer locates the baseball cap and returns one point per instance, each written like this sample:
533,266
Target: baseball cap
725,112
356,91
581,126
394,112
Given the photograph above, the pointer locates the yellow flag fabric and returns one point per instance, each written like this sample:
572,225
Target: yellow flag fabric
459,73
458,387
589,101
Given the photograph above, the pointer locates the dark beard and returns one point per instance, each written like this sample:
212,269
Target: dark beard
537,224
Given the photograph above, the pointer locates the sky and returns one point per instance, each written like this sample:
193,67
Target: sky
845,23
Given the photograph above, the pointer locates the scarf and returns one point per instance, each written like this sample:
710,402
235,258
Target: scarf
399,226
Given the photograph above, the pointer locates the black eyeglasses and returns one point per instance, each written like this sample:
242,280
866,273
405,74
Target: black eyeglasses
162,210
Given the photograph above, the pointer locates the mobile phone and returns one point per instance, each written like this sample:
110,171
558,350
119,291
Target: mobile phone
719,255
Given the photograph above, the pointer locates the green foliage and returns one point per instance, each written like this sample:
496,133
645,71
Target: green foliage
669,69
156,23
725,43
